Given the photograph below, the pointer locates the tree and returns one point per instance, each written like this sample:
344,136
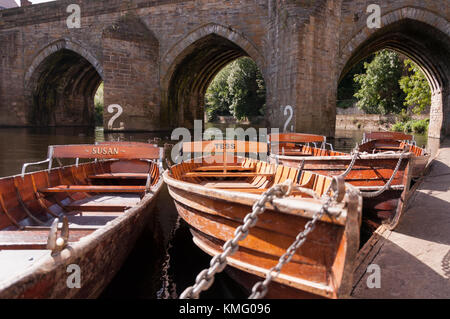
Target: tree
217,96
416,88
247,89
379,91
98,105
238,89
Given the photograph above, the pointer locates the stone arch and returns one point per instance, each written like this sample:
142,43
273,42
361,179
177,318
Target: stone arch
190,65
422,36
175,54
60,85
57,46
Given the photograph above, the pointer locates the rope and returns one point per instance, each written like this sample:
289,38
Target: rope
350,167
300,171
388,184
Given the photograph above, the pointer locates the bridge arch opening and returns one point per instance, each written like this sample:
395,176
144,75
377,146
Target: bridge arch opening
191,74
61,90
426,46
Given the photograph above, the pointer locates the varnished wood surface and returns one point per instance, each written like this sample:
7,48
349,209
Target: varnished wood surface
107,151
397,136
296,138
371,171
93,188
119,175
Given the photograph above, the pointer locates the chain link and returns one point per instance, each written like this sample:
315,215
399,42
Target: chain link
205,278
260,289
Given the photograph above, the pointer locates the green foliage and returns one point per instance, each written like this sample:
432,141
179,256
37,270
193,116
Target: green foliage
420,126
238,89
398,127
98,106
343,104
347,86
416,126
379,91
416,88
218,95
404,116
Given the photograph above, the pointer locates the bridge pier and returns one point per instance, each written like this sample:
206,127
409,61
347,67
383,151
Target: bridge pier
130,62
157,58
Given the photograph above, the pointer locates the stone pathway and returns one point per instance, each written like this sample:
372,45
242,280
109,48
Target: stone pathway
414,259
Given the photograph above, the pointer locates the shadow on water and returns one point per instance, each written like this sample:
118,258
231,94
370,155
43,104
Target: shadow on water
165,261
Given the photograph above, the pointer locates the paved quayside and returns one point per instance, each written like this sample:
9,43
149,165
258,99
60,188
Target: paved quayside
414,259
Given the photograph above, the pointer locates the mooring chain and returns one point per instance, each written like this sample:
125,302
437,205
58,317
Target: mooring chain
350,167
388,184
259,290
205,278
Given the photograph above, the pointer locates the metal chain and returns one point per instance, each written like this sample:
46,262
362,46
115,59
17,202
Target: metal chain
205,278
388,184
259,290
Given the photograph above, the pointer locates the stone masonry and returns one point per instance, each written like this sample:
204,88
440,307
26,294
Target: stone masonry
157,57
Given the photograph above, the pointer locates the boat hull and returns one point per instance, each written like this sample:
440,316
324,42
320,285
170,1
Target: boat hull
99,257
98,252
369,174
247,277
322,267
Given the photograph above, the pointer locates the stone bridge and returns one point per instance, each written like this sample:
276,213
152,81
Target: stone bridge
157,57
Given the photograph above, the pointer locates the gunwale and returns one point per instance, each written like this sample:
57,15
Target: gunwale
285,205
370,172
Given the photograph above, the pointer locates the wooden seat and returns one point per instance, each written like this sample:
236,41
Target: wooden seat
119,176
398,136
227,174
228,184
34,239
221,167
294,153
93,188
296,138
102,203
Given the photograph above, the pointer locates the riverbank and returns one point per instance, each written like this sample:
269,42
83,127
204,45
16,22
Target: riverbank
369,122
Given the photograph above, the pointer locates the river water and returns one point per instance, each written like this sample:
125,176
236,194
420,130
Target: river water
164,261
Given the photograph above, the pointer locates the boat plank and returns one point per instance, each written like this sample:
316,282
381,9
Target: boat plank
119,176
105,203
34,239
257,240
227,174
94,188
220,168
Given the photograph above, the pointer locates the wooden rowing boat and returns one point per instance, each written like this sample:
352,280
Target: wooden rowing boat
65,231
375,164
214,193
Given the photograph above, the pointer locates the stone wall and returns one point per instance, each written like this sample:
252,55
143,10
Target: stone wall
157,57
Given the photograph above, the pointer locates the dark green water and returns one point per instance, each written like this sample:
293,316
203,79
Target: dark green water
154,269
